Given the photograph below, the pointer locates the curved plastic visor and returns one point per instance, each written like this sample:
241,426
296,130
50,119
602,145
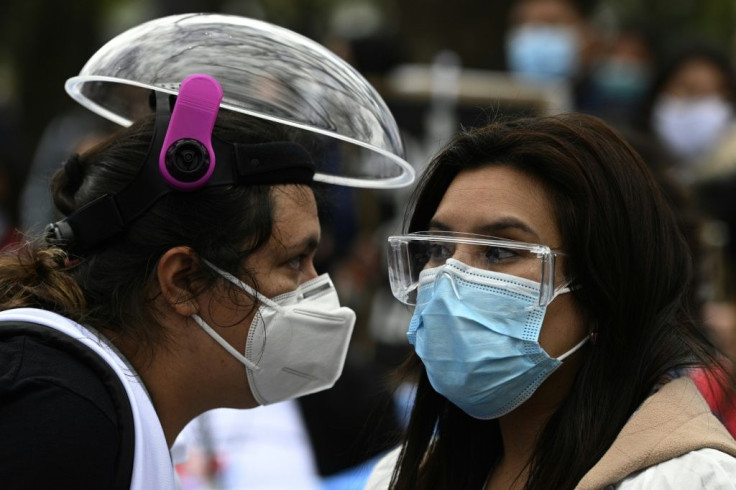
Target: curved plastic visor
415,260
266,72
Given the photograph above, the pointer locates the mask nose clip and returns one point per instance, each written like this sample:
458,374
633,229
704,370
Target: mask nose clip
444,274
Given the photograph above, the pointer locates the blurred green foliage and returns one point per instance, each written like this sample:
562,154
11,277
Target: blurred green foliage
712,20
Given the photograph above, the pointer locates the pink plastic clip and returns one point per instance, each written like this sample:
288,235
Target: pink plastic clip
193,118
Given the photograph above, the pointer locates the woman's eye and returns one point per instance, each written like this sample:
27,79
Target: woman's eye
498,254
438,253
296,262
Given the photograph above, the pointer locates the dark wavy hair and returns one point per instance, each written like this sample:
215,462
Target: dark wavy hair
109,287
632,267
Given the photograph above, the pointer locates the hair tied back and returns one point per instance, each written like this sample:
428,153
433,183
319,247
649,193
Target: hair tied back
73,170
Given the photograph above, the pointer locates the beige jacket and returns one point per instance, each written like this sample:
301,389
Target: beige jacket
670,423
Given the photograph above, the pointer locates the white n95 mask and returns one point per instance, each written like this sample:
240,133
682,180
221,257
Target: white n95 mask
297,342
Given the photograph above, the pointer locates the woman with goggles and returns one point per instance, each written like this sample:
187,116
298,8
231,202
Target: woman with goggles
549,284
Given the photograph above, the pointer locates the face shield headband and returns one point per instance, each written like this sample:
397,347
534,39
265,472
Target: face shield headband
183,156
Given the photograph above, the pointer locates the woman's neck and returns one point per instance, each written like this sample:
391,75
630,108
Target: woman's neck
521,428
187,378
520,431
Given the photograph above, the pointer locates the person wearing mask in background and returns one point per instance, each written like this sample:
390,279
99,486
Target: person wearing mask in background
181,278
690,110
690,113
549,281
552,42
620,78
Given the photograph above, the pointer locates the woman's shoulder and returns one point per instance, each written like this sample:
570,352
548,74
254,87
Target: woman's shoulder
701,469
33,365
42,364
381,474
56,414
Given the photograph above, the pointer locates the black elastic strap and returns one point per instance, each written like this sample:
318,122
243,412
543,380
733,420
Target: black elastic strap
108,376
281,162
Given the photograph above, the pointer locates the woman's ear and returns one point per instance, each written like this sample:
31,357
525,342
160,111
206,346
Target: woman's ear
176,271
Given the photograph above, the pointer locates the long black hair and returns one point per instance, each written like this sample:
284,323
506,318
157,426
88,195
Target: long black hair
632,268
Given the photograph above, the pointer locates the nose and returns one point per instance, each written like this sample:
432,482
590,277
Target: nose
309,272
467,256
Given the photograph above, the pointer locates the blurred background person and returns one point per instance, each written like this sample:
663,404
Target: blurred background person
620,78
690,113
690,108
686,131
548,39
553,42
75,131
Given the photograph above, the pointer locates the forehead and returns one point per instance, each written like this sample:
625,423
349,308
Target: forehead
489,197
294,213
697,76
545,12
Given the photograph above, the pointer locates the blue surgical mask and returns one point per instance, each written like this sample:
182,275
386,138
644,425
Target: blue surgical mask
621,80
477,333
543,52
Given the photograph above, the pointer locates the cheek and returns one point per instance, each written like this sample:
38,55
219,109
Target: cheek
277,282
228,307
233,324
563,326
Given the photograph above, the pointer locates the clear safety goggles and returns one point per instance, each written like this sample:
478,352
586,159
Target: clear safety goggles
415,259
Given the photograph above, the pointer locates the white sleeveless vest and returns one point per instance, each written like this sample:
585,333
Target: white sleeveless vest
152,467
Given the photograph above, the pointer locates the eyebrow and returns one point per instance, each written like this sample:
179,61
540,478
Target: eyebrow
308,244
493,228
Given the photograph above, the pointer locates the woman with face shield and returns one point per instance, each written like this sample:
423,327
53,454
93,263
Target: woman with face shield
548,280
181,278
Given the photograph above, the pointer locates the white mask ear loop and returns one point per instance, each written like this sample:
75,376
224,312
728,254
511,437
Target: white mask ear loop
215,336
566,289
563,290
574,349
240,357
234,280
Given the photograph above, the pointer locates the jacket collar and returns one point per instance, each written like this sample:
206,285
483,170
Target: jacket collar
673,421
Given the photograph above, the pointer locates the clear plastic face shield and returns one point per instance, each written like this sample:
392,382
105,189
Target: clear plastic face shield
266,72
417,260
